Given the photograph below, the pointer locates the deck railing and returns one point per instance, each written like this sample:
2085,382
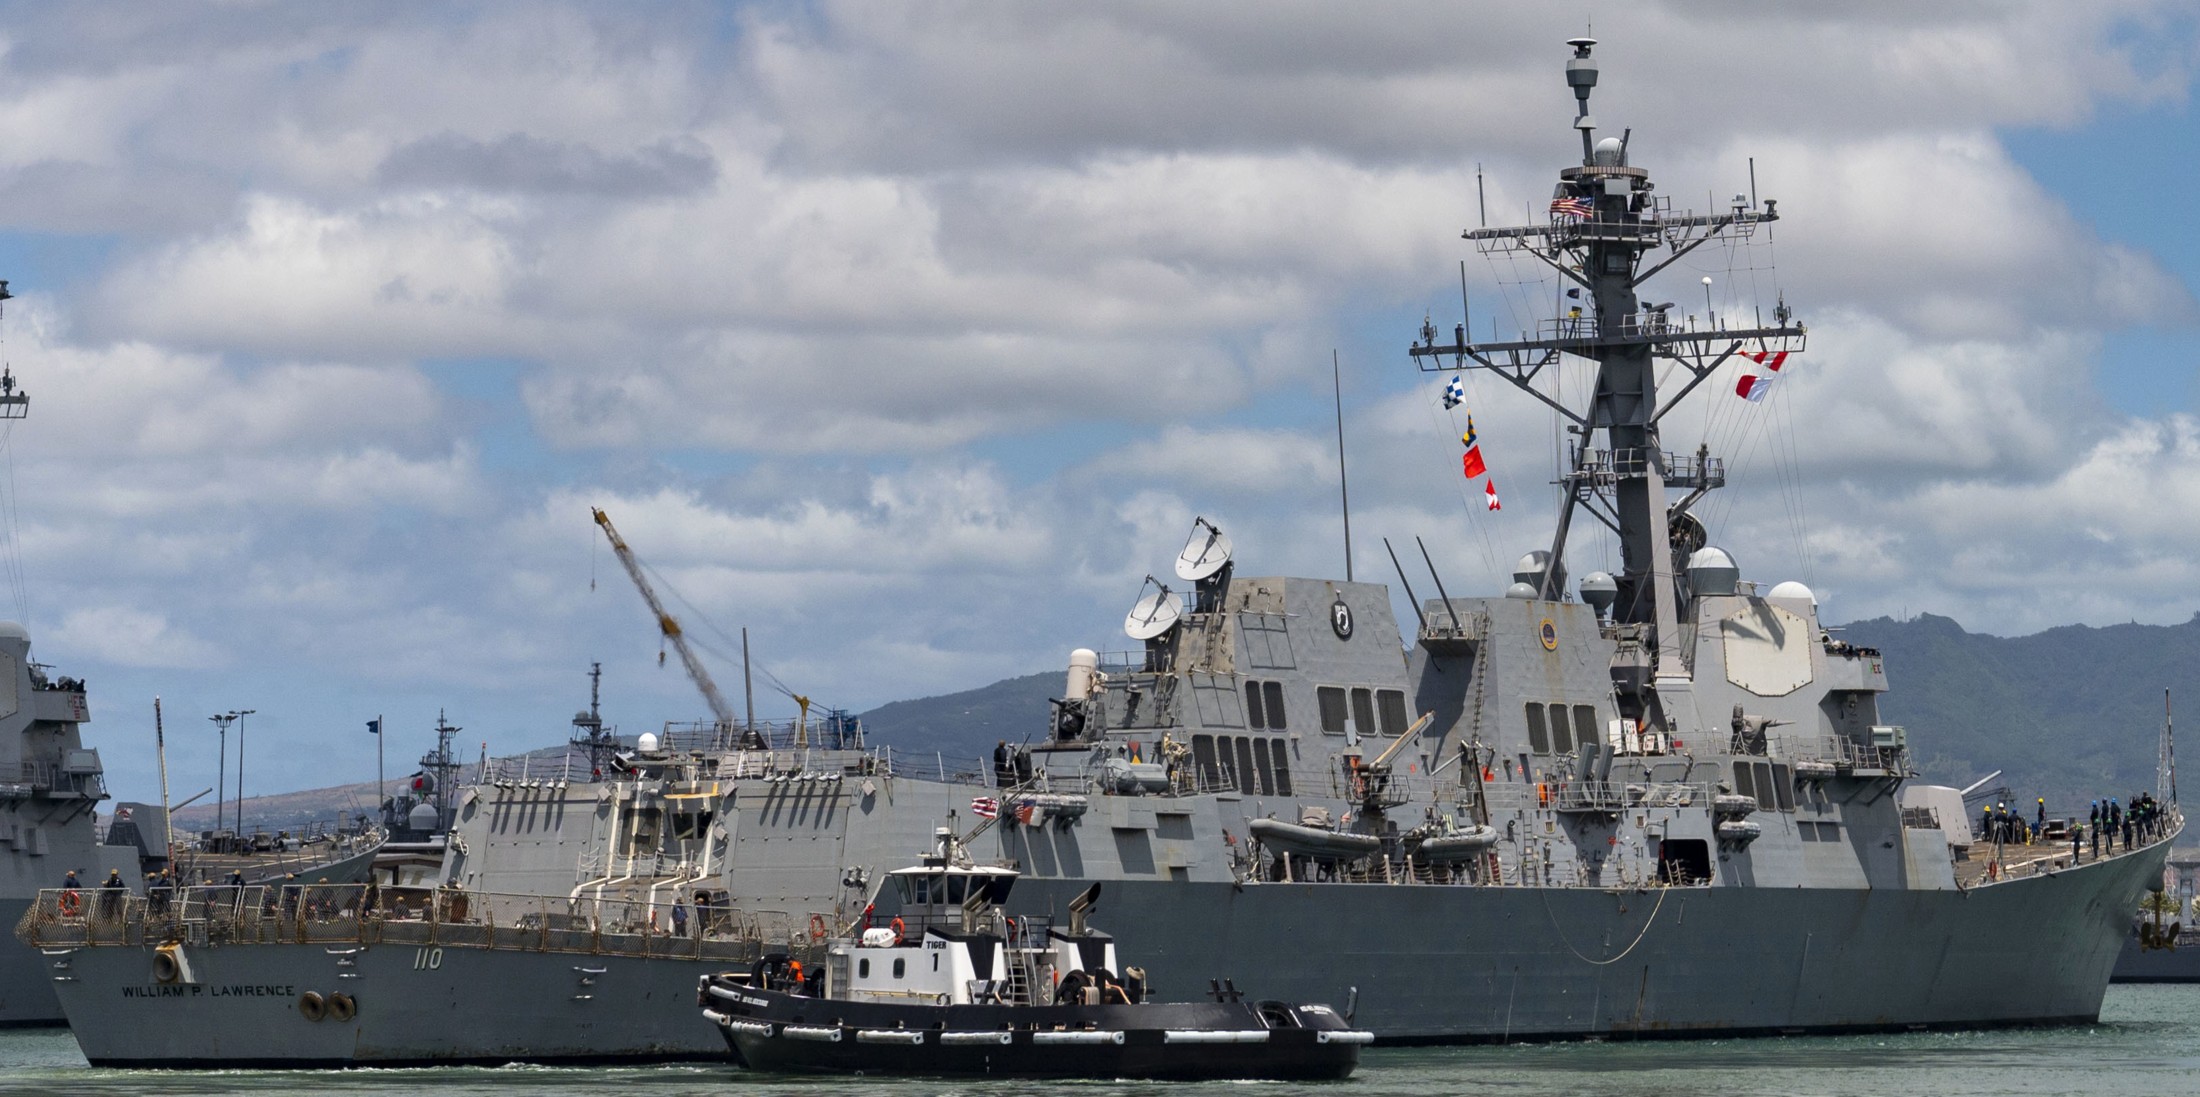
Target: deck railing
366,914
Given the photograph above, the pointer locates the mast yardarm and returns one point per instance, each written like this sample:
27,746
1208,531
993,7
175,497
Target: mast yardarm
1606,235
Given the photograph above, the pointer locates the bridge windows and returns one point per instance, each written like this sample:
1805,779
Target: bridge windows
1330,699
1392,704
1264,705
1555,729
1258,765
1364,710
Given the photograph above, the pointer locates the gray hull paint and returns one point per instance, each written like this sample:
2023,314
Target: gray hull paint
26,990
2140,965
478,1006
1527,963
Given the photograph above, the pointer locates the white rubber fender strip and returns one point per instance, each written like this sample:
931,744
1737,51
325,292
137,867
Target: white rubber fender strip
965,1038
824,1035
1344,1037
889,1036
1209,1036
1078,1037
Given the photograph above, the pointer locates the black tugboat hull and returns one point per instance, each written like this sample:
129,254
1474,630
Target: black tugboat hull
775,1032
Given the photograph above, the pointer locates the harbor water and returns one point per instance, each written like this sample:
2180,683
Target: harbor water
2147,1042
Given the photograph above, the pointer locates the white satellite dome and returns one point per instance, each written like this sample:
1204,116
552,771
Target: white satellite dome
1530,570
1600,590
1712,571
646,742
1792,591
1523,591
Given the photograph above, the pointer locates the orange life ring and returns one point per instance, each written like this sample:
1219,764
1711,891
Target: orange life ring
72,903
898,935
817,927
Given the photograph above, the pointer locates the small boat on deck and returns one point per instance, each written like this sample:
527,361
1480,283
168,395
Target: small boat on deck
954,986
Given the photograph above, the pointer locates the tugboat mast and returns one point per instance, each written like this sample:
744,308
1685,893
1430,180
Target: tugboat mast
1604,224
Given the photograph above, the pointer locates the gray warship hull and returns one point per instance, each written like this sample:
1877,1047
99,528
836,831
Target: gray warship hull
26,991
417,1005
1538,964
2138,964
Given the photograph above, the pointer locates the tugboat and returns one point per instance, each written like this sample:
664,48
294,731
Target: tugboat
953,985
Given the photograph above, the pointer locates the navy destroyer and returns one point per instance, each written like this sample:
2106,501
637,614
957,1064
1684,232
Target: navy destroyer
1667,808
1661,803
51,786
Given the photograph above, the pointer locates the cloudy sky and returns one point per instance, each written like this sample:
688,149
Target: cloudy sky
912,337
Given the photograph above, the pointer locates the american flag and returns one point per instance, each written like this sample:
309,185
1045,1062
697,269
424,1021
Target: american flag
1025,813
1570,206
985,807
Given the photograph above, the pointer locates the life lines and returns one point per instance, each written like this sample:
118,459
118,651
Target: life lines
72,903
899,936
817,927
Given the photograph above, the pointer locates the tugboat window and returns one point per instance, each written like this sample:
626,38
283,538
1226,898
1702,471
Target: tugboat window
1539,739
1393,705
1562,740
1330,699
863,968
900,967
955,890
1273,693
1254,718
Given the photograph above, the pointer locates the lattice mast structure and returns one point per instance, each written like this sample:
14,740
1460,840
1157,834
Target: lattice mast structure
1609,234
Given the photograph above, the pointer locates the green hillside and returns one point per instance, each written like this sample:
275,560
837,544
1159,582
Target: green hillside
2072,714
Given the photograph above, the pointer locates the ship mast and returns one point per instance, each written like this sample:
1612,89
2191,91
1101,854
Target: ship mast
1604,233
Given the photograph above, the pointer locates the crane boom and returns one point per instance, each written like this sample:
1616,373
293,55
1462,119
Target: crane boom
666,623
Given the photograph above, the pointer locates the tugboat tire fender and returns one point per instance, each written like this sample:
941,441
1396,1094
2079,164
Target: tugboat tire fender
165,967
312,1006
342,1007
